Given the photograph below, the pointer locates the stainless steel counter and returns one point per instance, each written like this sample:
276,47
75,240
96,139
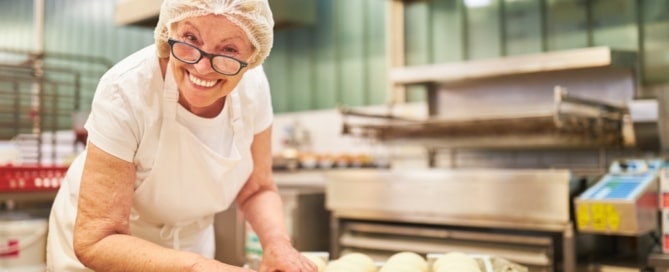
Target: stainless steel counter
455,210
521,199
302,179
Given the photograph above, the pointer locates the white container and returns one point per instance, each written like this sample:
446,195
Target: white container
22,243
10,153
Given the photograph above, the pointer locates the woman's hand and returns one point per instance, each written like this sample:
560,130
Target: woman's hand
282,257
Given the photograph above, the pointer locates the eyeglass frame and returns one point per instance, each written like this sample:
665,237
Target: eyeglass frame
203,54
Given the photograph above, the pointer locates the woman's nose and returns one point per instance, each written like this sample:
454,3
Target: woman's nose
204,66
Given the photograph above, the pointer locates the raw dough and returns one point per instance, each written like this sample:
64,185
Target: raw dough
455,259
365,262
343,266
318,261
409,260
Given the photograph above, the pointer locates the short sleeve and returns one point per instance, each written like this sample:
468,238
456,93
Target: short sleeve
111,125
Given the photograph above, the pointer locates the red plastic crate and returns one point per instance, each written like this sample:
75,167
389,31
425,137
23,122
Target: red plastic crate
31,178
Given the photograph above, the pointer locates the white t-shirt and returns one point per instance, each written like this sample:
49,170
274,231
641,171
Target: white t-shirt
126,115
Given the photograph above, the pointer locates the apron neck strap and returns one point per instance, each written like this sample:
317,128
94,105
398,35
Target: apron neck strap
236,111
170,94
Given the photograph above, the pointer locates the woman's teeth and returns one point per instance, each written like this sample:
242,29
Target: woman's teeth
200,82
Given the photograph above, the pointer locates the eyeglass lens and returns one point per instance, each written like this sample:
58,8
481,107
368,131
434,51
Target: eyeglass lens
189,54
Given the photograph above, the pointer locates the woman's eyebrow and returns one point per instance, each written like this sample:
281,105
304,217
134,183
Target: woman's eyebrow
191,26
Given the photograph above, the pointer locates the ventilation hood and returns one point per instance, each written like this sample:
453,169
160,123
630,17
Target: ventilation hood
287,13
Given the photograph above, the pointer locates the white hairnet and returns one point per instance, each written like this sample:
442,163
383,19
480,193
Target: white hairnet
254,17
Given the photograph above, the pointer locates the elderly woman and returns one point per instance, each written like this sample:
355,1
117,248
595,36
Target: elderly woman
177,132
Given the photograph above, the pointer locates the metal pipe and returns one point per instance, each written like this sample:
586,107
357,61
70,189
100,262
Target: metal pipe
17,105
36,112
54,121
395,47
66,56
38,16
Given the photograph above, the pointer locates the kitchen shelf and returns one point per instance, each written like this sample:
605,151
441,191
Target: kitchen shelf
583,58
572,122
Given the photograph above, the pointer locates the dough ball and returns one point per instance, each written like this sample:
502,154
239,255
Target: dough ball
457,267
343,266
408,259
318,261
365,262
400,267
457,259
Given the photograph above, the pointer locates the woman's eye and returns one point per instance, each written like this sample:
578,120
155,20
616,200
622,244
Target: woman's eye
229,50
190,38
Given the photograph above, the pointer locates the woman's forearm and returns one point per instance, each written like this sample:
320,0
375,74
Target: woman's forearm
120,252
264,211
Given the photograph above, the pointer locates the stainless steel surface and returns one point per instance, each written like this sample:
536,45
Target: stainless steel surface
503,103
379,238
570,122
516,197
498,113
645,119
230,237
306,218
536,63
420,209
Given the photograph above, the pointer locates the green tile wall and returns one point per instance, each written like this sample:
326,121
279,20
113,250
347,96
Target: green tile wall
342,58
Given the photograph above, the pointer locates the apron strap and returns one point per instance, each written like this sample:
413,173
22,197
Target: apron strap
236,118
170,94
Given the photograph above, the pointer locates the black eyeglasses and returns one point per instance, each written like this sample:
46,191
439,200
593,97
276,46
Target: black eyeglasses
190,54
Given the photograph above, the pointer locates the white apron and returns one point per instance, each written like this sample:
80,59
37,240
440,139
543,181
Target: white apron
189,183
175,205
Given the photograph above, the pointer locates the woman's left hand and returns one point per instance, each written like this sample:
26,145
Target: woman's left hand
283,257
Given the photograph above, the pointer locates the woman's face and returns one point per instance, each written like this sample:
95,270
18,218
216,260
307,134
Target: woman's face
202,90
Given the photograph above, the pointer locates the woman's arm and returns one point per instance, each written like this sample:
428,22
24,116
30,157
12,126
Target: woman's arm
102,239
261,205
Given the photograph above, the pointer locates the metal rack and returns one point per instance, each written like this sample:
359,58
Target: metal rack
39,99
573,122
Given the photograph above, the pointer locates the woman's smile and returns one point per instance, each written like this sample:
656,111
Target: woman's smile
200,82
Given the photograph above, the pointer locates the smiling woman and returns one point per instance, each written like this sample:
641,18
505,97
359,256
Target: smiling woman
203,87
177,132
